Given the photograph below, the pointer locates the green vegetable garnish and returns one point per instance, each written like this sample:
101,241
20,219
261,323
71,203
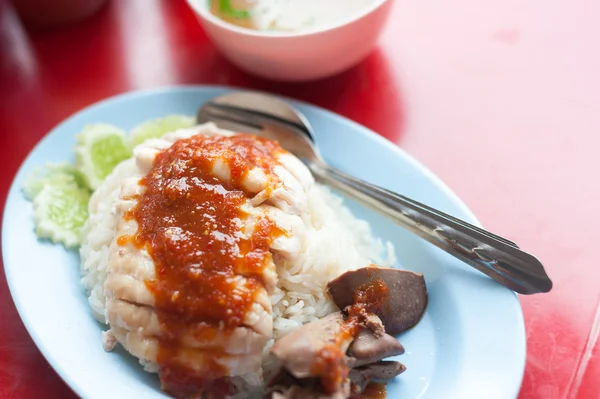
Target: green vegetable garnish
52,175
99,149
61,192
227,8
59,212
60,203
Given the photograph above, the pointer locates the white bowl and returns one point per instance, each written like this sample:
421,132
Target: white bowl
297,56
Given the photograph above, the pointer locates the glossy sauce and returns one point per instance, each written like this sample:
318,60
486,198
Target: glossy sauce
330,364
370,298
207,273
375,390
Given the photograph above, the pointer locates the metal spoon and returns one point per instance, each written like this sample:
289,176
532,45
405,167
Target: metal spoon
270,117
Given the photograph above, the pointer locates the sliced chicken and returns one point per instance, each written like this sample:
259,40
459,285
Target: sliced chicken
139,320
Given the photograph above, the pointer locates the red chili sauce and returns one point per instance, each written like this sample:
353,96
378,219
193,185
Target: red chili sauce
190,223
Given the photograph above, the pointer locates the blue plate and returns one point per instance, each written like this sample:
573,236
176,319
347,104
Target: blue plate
470,343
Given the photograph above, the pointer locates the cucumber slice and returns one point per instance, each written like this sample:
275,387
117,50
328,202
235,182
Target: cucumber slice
59,212
99,149
52,174
157,127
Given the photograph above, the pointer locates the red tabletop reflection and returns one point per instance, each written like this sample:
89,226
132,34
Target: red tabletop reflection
501,99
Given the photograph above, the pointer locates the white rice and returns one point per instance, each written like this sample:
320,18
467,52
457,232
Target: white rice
336,242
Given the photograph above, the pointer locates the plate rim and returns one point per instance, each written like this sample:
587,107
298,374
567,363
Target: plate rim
14,189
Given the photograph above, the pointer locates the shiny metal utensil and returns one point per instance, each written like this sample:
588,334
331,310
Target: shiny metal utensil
269,117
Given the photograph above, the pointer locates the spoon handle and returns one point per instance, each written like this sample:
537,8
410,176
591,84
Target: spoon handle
492,255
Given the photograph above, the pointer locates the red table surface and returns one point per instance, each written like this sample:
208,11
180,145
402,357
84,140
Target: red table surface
501,99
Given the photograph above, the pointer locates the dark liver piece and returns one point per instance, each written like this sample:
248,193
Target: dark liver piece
406,299
367,348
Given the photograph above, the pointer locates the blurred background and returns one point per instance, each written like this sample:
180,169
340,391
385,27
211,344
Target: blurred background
501,99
